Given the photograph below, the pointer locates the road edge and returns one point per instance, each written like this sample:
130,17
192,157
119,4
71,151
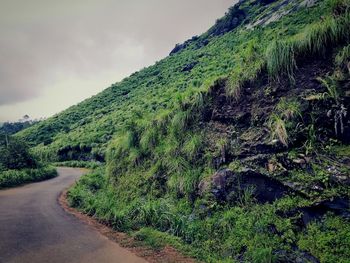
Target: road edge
167,254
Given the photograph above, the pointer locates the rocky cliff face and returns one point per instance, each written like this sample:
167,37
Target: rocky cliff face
259,156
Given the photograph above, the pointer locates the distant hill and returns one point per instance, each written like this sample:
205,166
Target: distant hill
15,127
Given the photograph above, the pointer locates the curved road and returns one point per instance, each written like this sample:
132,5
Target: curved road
35,229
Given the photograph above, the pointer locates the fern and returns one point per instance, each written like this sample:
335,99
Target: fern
332,87
343,58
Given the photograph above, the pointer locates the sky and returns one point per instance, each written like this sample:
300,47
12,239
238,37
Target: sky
54,54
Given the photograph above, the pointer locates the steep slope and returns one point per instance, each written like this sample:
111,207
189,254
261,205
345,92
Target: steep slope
235,147
84,130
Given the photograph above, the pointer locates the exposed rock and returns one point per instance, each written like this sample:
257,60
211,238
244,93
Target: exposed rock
180,47
257,159
230,21
189,66
280,10
275,14
339,206
308,3
343,179
226,186
298,256
299,161
274,166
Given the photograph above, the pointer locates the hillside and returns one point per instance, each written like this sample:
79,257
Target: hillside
235,147
84,130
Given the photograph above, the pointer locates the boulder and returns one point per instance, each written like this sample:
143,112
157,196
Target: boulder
227,186
338,205
283,256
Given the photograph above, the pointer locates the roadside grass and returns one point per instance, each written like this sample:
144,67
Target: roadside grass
11,178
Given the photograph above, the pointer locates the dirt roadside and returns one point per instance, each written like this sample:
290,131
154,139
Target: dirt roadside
165,255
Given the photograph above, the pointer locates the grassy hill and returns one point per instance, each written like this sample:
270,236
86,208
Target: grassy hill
235,147
84,130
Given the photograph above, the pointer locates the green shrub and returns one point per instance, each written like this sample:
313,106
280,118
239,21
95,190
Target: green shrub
11,178
15,154
328,240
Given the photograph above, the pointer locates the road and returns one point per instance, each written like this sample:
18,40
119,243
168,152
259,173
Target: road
34,228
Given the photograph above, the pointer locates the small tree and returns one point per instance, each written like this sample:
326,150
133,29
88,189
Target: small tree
15,154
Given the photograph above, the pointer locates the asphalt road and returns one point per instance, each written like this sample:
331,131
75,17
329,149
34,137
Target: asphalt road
35,229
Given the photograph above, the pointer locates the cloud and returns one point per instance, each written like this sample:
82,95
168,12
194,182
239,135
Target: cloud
45,42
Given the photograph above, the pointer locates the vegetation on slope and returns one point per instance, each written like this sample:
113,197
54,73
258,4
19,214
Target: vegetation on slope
84,131
234,148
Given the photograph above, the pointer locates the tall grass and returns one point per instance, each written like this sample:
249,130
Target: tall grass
285,112
278,129
316,39
281,58
193,146
252,64
288,109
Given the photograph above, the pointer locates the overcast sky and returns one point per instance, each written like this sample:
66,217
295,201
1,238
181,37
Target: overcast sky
54,54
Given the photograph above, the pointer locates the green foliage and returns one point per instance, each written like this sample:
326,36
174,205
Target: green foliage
151,127
252,64
332,87
311,140
224,234
11,178
15,154
315,39
14,127
328,240
319,36
281,58
283,119
343,58
193,146
278,129
149,138
288,109
157,239
339,6
84,131
341,150
18,165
